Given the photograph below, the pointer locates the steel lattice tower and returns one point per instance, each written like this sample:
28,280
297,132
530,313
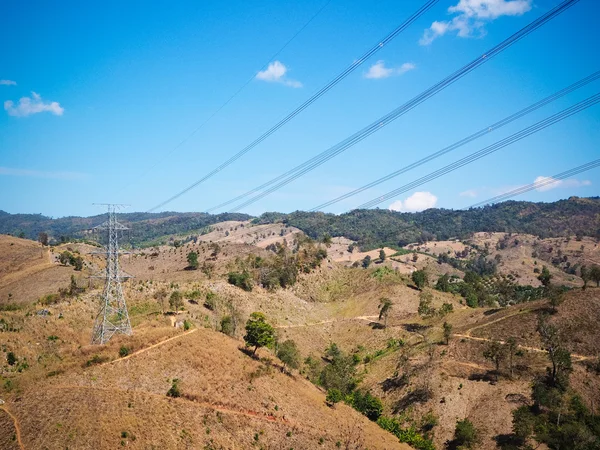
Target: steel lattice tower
113,316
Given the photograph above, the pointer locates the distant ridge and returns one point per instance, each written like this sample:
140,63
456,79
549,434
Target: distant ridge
371,228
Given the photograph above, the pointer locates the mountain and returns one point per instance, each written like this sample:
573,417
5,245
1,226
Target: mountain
145,227
371,228
381,227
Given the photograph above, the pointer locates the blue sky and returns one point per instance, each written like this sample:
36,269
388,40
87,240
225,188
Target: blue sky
97,96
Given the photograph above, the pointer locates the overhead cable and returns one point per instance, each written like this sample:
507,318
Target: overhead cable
555,118
378,46
316,161
483,132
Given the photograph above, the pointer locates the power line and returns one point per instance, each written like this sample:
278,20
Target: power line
545,182
235,94
484,131
316,161
515,192
380,44
580,106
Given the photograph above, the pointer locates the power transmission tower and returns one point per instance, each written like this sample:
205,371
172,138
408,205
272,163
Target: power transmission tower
113,316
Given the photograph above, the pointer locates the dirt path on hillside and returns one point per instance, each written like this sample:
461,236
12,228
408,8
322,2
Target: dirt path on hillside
217,406
467,335
17,427
524,347
145,349
483,325
322,322
28,271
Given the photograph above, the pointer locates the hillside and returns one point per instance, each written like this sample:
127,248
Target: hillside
77,393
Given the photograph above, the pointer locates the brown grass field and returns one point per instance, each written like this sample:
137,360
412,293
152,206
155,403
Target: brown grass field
75,395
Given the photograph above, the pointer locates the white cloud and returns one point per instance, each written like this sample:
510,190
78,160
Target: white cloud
378,70
472,15
549,183
419,201
41,174
32,105
8,82
469,193
275,73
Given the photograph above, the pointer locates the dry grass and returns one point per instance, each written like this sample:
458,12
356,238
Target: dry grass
230,398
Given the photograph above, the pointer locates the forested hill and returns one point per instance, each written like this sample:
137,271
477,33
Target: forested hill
370,228
144,227
379,227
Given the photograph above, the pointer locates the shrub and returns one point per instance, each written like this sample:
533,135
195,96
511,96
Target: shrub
227,326
176,300
367,404
465,434
289,354
174,390
334,396
446,309
192,259
11,359
409,436
420,278
123,351
49,299
211,301
240,279
96,359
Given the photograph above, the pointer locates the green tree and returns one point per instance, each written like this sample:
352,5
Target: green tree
258,332
43,238
425,308
366,262
334,396
556,295
333,351
340,372
443,283
465,434
367,404
176,301
523,423
385,306
192,259
289,354
420,278
545,276
11,359
65,258
586,276
560,358
77,262
382,255
241,280
447,332
495,353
